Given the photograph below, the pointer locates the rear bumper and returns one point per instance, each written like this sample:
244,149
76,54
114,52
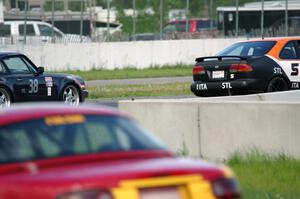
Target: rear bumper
244,86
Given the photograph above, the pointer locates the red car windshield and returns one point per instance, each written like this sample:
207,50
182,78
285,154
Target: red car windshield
253,48
66,135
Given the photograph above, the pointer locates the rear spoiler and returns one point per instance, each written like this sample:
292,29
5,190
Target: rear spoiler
201,59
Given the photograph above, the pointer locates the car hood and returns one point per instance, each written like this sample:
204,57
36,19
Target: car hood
111,172
50,182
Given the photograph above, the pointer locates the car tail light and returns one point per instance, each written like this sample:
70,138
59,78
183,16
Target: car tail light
198,70
240,68
91,194
226,188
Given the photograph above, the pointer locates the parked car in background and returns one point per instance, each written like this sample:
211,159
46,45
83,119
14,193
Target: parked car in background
21,81
62,152
42,31
197,28
255,66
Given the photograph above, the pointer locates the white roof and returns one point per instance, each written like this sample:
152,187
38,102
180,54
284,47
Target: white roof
268,5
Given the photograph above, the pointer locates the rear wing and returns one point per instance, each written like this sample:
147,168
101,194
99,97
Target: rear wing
219,58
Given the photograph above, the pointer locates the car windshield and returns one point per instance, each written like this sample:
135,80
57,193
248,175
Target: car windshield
257,48
67,135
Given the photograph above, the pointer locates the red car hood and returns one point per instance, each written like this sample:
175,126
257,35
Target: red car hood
93,175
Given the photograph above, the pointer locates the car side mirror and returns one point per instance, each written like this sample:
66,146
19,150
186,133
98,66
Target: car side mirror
40,70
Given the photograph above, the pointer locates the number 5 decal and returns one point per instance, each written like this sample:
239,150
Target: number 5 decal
34,86
295,70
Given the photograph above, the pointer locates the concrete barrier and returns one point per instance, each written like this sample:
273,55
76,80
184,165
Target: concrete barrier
110,55
216,129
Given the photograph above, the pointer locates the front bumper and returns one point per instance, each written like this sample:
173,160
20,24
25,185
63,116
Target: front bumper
218,88
84,94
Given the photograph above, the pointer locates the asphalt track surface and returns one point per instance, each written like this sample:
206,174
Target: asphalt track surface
157,80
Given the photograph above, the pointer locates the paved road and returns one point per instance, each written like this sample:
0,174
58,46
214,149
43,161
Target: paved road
157,80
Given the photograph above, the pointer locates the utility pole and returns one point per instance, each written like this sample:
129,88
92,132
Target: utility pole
52,20
108,20
237,18
211,15
25,21
81,20
262,20
286,19
161,8
134,20
187,11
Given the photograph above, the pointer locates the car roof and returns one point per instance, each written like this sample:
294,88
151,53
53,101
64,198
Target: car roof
5,54
30,111
274,39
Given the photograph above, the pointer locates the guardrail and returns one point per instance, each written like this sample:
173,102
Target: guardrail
215,128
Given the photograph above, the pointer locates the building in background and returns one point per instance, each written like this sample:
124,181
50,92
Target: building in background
250,19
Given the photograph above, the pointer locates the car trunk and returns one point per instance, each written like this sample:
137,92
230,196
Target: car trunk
211,69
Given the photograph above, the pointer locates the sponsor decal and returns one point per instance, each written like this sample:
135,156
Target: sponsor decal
201,87
49,91
277,70
295,85
49,81
57,120
226,85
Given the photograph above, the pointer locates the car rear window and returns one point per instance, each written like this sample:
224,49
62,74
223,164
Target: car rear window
69,135
253,48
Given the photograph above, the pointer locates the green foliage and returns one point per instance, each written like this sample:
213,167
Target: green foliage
183,151
132,91
266,176
58,6
130,72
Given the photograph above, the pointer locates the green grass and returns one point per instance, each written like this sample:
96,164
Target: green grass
129,73
264,176
121,91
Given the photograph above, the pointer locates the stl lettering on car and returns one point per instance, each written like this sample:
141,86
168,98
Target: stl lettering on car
255,66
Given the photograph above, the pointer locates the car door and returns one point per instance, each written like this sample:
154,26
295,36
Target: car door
289,59
27,85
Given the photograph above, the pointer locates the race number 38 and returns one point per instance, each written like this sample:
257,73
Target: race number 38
34,85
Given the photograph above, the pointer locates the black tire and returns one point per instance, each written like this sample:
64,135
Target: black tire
71,95
277,84
5,98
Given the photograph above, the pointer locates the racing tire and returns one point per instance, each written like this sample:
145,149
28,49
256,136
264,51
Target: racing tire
277,84
5,98
71,95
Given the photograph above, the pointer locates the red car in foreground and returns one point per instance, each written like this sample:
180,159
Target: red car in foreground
62,152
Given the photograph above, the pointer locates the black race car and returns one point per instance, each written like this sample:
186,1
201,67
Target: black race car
21,81
256,66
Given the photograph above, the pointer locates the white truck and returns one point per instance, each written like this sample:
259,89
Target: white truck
36,31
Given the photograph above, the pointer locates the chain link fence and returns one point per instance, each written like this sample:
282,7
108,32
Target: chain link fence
129,20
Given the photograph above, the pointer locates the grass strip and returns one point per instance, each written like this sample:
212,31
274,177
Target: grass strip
121,91
130,73
263,176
